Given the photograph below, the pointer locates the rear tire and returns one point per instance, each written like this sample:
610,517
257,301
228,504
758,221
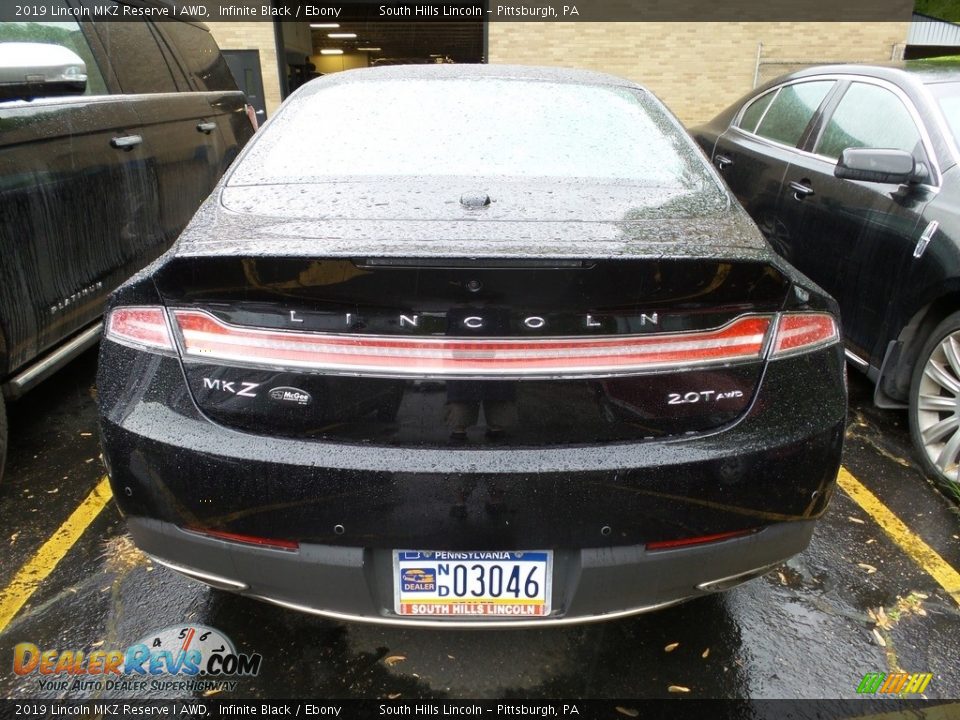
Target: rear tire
935,403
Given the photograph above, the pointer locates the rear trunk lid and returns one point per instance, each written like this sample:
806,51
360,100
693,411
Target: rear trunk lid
424,350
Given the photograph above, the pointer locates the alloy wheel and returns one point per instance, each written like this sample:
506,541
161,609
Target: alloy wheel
938,406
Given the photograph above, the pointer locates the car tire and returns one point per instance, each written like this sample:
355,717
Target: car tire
935,403
3,436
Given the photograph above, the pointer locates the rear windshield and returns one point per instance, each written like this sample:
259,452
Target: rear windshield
948,98
474,127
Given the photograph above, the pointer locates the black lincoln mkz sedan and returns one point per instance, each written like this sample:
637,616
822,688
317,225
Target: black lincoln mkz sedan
499,350
853,174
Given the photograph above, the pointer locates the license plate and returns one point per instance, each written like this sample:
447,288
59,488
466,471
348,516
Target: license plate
501,585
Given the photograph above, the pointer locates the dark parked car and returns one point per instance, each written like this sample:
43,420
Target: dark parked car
502,348
111,135
851,173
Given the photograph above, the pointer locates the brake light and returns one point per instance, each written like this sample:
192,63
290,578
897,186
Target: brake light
204,336
142,327
801,332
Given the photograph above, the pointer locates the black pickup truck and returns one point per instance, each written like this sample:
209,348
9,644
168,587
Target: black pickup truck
111,135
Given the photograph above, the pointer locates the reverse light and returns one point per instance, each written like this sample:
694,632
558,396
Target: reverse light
207,337
141,327
802,332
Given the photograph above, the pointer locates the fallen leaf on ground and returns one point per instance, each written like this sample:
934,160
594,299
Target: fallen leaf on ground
394,659
858,521
212,691
880,618
394,696
705,653
120,555
671,647
51,492
871,541
912,604
678,689
869,568
629,712
879,638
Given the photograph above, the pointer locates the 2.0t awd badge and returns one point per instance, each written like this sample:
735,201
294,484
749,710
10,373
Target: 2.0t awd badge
290,395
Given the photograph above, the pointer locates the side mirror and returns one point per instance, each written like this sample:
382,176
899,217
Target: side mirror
879,165
32,70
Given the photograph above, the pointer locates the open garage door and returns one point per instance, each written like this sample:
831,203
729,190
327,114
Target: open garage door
345,45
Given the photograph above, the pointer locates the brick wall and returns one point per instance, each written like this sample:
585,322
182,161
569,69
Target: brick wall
697,69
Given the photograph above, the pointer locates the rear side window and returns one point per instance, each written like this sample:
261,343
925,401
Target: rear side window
135,57
753,113
869,116
791,111
199,51
66,34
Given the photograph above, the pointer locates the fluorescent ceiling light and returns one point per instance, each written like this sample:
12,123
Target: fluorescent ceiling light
368,49
324,25
331,51
341,35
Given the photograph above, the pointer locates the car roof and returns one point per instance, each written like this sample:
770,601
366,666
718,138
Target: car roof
908,73
447,71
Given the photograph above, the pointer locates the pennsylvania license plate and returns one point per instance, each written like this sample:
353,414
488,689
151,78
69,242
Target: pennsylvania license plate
472,584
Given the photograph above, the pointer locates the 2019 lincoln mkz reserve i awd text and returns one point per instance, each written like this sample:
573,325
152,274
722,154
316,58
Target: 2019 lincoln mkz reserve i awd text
500,350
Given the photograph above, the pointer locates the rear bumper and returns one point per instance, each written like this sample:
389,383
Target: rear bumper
352,583
349,506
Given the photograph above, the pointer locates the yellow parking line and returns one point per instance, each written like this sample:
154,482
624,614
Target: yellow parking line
15,595
911,543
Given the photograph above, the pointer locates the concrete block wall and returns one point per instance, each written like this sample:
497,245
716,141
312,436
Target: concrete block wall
254,36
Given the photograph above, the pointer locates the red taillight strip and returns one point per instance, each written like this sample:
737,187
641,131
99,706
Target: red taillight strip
204,336
802,332
142,327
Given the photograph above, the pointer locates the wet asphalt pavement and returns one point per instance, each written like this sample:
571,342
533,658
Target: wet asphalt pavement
810,629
